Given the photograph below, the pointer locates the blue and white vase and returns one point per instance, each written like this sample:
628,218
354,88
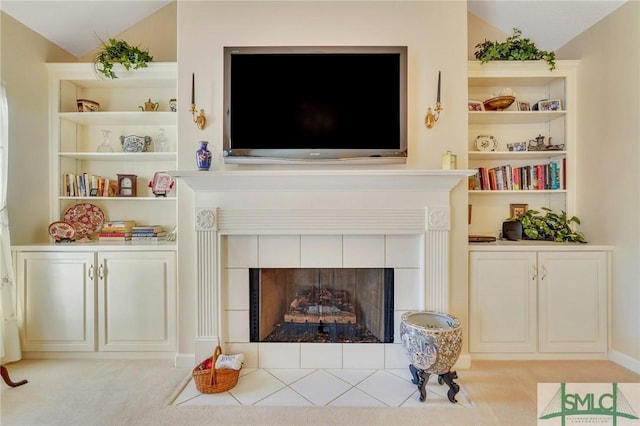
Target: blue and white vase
203,156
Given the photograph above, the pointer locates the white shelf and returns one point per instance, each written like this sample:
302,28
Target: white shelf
129,118
513,117
519,191
515,155
512,81
120,156
133,199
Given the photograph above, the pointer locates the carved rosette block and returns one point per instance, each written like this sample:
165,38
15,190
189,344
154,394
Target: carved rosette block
205,220
438,218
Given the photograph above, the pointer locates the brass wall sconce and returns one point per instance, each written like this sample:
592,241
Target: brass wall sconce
199,118
433,114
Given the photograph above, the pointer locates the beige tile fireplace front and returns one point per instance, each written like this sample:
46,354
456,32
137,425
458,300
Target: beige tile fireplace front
403,253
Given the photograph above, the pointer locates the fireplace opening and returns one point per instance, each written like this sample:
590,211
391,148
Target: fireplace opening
337,305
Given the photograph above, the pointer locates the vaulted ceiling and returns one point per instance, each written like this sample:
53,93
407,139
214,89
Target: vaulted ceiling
77,26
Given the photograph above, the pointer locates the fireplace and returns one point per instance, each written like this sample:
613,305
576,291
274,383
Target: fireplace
250,219
321,305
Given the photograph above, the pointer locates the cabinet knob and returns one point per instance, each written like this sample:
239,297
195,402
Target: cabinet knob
535,273
101,272
544,273
91,272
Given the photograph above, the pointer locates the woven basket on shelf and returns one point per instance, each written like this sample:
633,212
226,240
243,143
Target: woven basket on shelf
212,380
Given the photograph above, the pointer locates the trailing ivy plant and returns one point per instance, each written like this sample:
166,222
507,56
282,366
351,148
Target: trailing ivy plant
120,52
514,48
549,226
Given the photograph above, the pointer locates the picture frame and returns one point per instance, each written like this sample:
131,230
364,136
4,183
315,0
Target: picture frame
550,105
475,105
524,106
517,210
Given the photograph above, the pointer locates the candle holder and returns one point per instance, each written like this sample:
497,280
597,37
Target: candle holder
433,114
199,118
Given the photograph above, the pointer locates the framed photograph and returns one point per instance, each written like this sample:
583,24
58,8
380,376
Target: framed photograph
524,106
550,105
517,210
475,106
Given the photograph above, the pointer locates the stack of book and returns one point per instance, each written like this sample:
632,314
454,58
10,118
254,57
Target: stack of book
148,233
550,176
116,230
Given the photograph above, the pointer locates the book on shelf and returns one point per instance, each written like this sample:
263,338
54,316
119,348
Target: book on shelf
118,225
147,229
114,238
86,185
548,176
114,234
149,238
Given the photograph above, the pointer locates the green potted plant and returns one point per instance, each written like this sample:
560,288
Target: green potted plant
514,48
120,52
549,226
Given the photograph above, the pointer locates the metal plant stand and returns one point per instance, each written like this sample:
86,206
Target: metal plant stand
421,377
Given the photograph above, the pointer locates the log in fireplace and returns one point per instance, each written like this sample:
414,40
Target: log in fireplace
338,305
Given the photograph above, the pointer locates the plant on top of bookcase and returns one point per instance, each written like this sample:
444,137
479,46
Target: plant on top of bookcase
514,48
549,226
120,52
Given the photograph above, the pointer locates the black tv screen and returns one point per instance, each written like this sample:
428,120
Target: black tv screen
315,103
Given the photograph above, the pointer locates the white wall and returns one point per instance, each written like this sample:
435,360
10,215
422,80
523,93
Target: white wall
25,77
435,33
608,201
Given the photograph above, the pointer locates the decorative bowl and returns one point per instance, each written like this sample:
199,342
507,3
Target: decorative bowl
432,341
87,105
133,143
498,103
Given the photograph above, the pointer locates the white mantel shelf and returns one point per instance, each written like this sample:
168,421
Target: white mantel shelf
322,180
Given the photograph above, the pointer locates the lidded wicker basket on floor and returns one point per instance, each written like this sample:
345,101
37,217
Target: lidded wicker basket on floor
214,380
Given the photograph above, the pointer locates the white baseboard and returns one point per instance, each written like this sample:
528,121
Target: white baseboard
625,360
185,360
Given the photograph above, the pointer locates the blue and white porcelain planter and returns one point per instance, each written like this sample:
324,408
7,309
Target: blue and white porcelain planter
432,342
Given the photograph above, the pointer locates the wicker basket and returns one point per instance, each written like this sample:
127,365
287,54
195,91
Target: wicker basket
212,380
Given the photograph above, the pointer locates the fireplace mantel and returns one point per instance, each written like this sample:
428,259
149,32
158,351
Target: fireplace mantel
322,180
317,205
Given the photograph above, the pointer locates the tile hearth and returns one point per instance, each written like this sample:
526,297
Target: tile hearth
324,387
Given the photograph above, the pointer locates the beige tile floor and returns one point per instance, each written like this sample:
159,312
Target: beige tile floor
325,387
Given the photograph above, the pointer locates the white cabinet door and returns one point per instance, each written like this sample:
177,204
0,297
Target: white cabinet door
137,301
573,301
503,302
56,292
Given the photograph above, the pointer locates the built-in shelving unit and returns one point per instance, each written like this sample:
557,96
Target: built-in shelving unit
531,82
76,135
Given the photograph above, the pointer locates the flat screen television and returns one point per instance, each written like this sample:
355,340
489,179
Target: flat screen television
315,104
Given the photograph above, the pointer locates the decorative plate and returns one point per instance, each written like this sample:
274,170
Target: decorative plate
62,231
133,143
86,218
486,143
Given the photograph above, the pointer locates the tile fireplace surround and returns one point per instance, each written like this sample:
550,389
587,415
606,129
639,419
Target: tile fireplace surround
317,218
